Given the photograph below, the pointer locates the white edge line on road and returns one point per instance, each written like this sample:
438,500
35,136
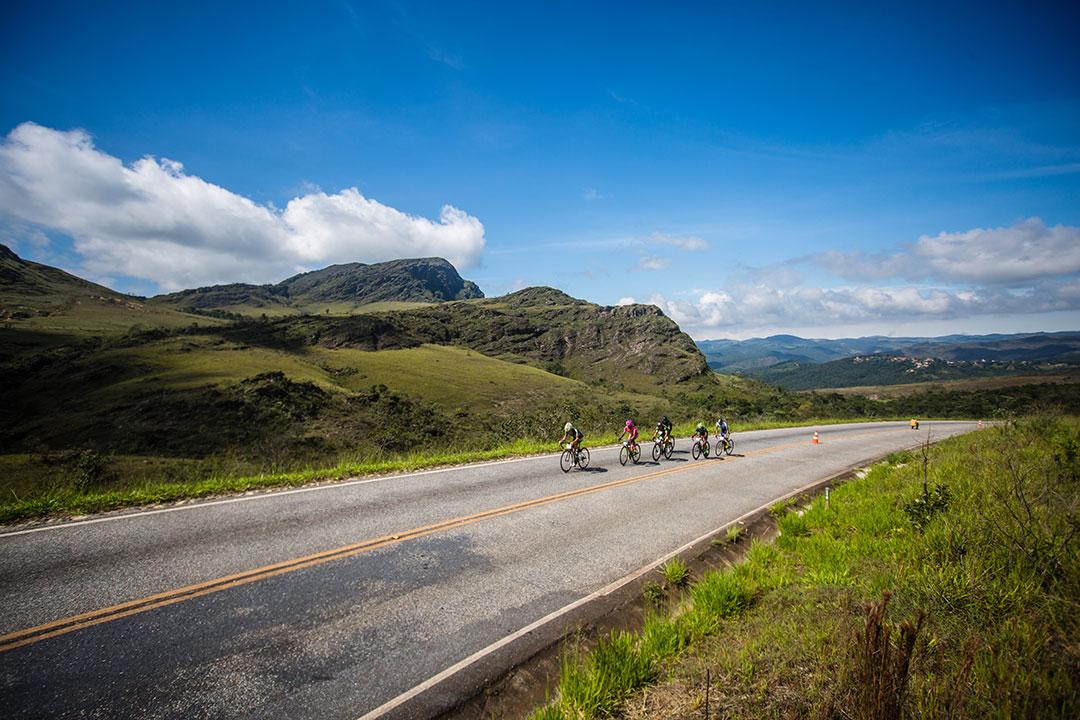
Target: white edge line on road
261,496
480,654
276,493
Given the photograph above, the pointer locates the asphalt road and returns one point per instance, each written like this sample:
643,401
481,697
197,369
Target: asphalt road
334,601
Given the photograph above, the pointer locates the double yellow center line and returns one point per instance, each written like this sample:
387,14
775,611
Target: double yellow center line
114,612
96,617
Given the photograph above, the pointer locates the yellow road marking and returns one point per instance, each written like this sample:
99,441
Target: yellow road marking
114,612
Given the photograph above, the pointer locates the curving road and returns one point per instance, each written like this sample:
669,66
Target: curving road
345,600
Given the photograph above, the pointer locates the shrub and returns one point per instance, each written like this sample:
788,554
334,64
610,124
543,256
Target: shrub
920,510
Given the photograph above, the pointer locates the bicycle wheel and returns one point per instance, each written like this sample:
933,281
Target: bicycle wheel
656,451
624,454
566,461
729,445
669,447
583,457
696,451
635,454
705,448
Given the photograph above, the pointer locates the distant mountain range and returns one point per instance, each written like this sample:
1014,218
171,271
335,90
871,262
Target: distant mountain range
745,355
804,364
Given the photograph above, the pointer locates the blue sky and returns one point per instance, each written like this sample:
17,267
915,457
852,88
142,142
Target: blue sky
823,169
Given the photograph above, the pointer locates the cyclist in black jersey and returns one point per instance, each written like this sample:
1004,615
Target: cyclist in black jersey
573,434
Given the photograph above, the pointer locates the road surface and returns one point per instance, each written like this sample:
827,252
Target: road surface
343,600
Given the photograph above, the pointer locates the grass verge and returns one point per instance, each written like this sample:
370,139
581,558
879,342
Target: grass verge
68,496
893,599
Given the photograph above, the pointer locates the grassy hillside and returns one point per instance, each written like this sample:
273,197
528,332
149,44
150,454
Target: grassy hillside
42,306
936,585
1060,376
889,370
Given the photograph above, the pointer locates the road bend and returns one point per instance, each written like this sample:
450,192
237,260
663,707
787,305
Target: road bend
343,600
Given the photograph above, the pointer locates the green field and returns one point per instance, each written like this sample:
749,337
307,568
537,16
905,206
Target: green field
1064,375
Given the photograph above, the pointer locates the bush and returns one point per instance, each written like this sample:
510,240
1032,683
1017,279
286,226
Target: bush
920,510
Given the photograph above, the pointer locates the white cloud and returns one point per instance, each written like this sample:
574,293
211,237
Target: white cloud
1006,256
153,221
686,242
626,301
650,262
757,306
1020,254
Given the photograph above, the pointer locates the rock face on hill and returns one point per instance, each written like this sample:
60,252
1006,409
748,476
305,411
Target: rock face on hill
636,346
425,280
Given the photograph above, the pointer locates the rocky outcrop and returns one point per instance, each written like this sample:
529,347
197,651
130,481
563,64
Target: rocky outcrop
424,280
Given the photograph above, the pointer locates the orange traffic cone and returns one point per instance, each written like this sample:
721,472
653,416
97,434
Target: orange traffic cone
815,437
980,423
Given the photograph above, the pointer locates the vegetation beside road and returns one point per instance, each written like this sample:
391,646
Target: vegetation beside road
941,584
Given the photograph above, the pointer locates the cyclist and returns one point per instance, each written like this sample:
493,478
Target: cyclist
631,432
571,432
722,430
701,434
663,429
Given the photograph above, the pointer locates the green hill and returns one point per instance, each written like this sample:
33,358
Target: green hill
190,396
43,306
336,289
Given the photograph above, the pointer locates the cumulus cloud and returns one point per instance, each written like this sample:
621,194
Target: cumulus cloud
1013,256
760,306
650,262
686,242
153,221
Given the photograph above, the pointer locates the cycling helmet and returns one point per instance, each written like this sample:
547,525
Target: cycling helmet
566,427
664,419
700,425
629,424
719,422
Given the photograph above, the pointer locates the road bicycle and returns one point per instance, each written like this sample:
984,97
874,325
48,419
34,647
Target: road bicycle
701,447
725,445
629,451
664,447
571,457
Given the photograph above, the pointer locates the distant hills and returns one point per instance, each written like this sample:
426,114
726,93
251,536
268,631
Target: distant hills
338,287
325,364
801,364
